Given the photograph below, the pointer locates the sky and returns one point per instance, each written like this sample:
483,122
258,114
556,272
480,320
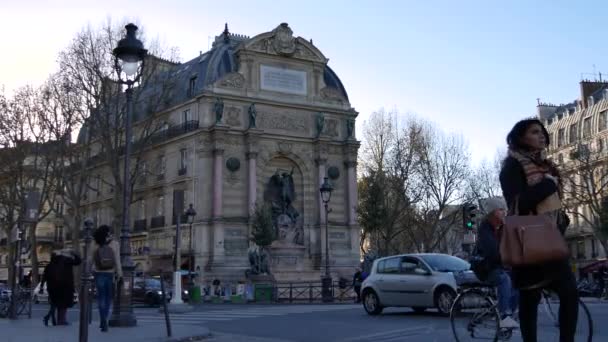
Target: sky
472,67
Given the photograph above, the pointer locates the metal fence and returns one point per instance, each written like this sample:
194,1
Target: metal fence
310,292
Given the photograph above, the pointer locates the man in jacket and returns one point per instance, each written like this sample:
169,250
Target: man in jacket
488,248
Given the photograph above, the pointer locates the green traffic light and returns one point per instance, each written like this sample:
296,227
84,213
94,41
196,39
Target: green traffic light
470,224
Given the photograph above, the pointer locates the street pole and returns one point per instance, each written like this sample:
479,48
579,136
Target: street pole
122,315
191,262
15,275
177,279
86,279
327,273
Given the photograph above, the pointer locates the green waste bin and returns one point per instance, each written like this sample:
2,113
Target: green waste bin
195,294
263,292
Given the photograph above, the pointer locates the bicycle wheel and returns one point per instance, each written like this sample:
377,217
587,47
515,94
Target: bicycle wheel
474,317
549,331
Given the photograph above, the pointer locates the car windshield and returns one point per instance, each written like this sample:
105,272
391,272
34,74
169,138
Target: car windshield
153,283
445,263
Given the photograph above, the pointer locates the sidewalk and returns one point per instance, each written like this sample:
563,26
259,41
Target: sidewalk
29,330
593,300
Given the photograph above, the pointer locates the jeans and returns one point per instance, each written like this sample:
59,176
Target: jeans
104,282
565,287
508,296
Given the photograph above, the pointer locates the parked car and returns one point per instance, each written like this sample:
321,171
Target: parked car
43,297
419,281
148,291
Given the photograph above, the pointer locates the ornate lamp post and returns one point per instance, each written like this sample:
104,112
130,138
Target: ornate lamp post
326,291
128,60
190,213
86,279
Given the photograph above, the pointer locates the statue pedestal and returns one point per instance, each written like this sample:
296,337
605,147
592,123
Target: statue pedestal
287,260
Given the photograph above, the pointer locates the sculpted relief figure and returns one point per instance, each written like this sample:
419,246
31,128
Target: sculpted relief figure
350,128
253,113
320,123
218,109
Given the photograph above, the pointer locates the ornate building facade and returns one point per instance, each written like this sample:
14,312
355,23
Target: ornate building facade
261,119
582,123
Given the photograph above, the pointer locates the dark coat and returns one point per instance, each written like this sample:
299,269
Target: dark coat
515,186
59,276
488,246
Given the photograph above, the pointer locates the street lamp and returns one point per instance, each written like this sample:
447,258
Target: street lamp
190,213
326,291
128,59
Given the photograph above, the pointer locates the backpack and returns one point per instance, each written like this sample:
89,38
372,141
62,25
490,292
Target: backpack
104,258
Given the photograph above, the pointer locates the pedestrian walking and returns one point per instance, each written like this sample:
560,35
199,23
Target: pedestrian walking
46,276
60,282
107,269
531,186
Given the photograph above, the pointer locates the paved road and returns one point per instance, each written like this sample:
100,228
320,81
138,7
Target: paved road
331,323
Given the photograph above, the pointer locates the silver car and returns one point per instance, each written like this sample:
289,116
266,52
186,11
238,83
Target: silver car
419,281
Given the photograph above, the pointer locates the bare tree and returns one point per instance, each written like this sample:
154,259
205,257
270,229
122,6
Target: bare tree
443,171
585,190
88,75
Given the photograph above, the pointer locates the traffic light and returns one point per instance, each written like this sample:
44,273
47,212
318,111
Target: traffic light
468,216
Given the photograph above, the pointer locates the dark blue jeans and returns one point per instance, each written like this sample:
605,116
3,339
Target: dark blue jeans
104,281
508,296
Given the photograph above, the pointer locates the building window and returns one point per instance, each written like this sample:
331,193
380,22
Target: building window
160,205
98,184
602,120
561,137
58,233
587,128
162,165
141,209
573,133
186,116
59,209
580,249
550,142
593,248
183,160
192,86
600,145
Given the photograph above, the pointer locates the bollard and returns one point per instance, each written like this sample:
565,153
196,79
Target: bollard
86,277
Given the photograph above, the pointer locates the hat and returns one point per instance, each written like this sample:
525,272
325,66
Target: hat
494,203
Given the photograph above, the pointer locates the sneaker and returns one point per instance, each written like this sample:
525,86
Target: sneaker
509,323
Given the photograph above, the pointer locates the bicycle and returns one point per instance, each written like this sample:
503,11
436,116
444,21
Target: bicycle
483,320
23,297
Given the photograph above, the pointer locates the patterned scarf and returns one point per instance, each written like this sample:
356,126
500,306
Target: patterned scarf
535,165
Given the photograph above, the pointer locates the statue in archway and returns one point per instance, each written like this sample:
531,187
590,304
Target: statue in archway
280,193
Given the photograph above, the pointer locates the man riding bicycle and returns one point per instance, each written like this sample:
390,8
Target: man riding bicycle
496,274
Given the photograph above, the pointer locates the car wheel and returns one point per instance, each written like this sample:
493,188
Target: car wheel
371,303
444,298
150,301
418,309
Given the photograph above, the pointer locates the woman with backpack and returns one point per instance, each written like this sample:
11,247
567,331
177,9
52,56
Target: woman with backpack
106,265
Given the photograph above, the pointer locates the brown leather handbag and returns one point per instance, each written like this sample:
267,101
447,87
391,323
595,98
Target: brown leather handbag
531,240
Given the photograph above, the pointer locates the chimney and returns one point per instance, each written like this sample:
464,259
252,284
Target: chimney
588,88
545,110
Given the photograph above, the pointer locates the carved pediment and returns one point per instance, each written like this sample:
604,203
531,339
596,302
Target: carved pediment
281,41
232,80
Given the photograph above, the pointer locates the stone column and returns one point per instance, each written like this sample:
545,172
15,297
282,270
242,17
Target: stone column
252,180
351,178
217,208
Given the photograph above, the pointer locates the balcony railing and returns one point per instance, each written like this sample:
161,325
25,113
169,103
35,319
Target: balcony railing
157,222
182,171
140,225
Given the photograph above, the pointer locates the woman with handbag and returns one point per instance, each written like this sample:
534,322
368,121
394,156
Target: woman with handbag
531,242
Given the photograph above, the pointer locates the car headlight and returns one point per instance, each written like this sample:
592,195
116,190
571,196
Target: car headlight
186,291
160,293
